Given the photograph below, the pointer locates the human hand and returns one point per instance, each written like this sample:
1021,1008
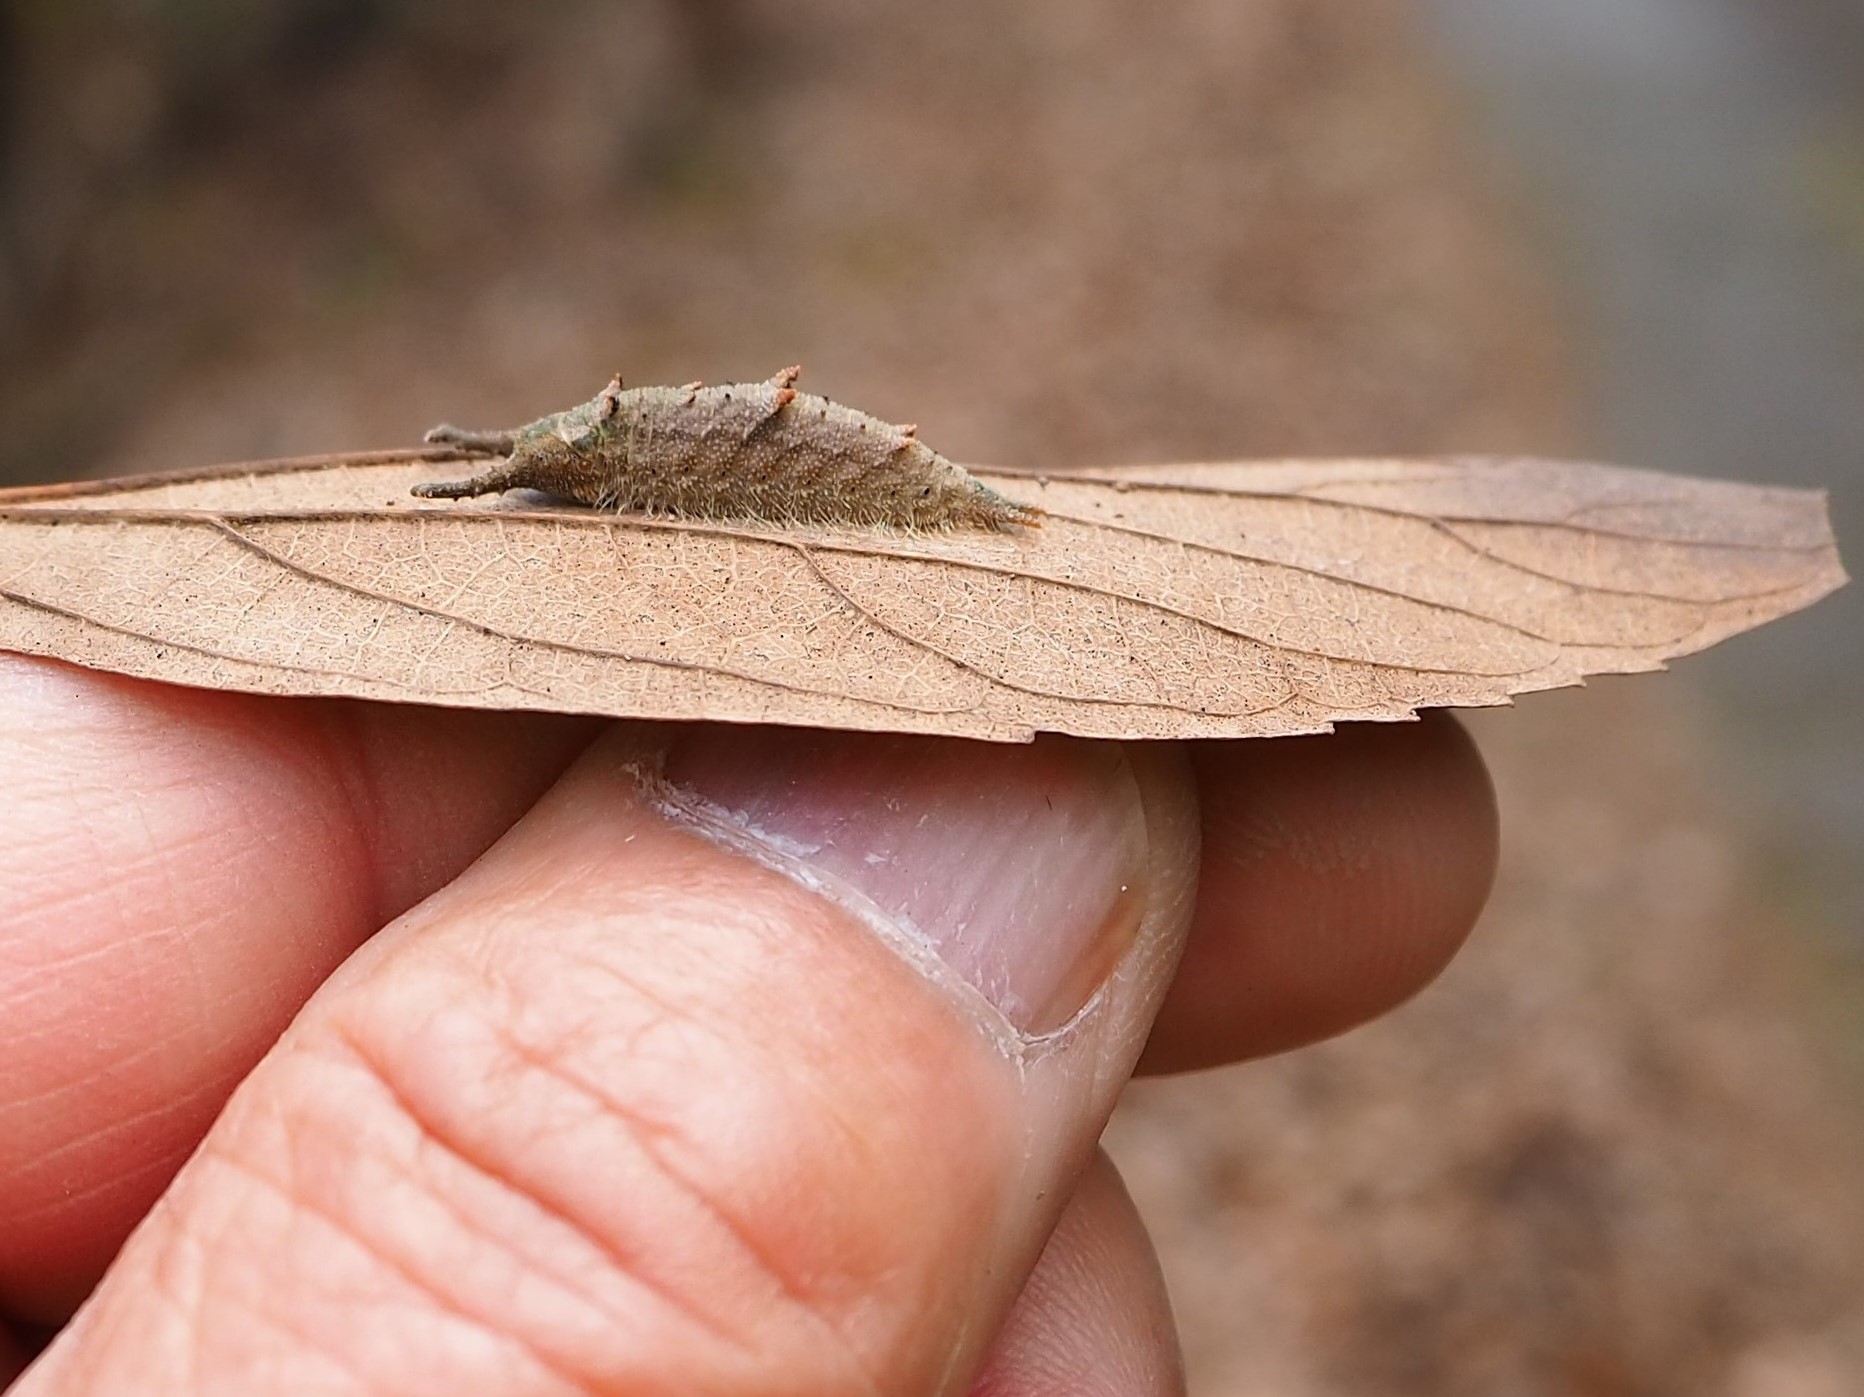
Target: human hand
625,1105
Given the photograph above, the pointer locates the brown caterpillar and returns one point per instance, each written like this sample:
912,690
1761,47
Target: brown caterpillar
759,452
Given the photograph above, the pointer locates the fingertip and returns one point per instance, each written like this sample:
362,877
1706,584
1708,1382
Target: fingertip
1094,1318
1341,874
12,1358
692,1044
179,869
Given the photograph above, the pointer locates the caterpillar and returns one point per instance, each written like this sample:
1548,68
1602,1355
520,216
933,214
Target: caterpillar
754,452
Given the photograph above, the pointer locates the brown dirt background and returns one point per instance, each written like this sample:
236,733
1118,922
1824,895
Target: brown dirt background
1613,1153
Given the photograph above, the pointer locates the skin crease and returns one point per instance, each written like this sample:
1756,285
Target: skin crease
278,835
122,1042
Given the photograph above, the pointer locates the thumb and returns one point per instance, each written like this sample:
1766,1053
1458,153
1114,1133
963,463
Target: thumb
748,1062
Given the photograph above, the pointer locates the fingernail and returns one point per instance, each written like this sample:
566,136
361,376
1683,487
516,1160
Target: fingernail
1019,867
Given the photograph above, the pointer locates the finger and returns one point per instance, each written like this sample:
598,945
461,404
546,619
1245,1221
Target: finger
12,1357
1093,1320
1340,875
772,1079
178,870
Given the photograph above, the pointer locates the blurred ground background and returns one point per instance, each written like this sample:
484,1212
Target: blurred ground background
1616,1152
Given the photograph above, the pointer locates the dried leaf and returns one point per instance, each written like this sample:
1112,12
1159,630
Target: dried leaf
1227,600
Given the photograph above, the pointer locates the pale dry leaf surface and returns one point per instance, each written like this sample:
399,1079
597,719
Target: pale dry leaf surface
1220,600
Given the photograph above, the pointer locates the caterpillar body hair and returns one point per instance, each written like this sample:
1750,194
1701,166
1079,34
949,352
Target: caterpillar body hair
751,452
